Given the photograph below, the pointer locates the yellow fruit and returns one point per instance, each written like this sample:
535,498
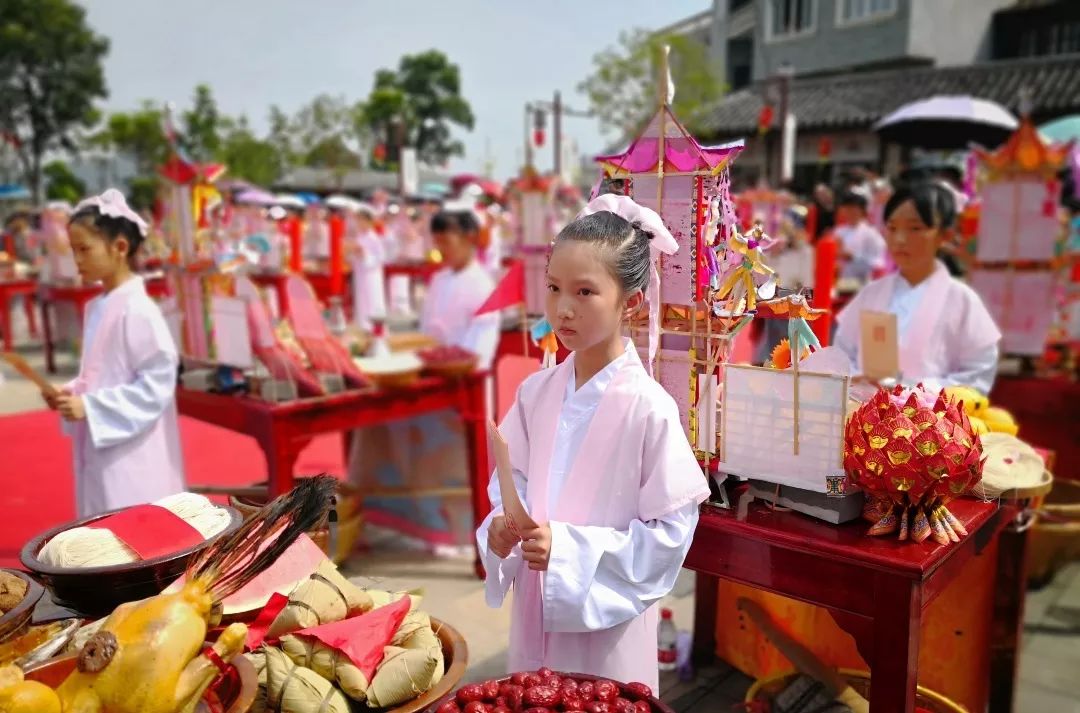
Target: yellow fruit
978,426
999,420
29,697
973,400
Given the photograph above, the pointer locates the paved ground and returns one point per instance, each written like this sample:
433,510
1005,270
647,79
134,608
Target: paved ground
1050,660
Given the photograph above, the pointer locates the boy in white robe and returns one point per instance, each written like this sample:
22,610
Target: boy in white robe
863,246
429,451
120,411
602,464
946,335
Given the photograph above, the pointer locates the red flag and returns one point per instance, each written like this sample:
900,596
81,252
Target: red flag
510,290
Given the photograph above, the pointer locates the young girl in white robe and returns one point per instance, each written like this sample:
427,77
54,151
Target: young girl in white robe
120,411
946,335
601,462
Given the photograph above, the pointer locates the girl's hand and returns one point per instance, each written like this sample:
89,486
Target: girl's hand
536,546
71,407
500,538
52,399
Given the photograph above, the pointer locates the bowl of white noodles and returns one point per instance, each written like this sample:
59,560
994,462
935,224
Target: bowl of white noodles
91,571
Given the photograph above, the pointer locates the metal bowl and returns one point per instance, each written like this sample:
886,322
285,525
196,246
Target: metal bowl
94,592
18,618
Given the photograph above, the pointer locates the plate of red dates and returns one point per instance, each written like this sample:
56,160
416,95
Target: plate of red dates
448,360
547,691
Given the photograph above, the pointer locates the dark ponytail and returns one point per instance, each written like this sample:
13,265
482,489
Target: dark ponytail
626,245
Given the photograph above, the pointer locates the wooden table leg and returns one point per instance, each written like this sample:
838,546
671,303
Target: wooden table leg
282,451
28,308
894,668
5,320
705,592
1008,617
46,328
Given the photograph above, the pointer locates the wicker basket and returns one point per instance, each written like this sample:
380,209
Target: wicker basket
932,701
1054,539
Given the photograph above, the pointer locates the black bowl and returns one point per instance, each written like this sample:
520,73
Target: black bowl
94,592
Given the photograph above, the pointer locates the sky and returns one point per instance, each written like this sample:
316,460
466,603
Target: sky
255,53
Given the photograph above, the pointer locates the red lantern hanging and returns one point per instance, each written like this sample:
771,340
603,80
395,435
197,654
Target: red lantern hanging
379,152
538,137
824,149
765,119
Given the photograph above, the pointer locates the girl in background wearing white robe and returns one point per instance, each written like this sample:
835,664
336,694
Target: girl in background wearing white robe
368,256
601,462
946,335
120,411
429,450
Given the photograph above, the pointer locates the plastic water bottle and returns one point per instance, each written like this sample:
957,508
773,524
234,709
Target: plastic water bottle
667,642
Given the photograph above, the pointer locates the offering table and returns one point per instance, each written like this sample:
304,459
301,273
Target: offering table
284,429
877,589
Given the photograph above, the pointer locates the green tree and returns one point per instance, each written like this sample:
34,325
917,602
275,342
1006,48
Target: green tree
623,88
202,125
143,191
247,156
418,104
50,75
61,183
138,133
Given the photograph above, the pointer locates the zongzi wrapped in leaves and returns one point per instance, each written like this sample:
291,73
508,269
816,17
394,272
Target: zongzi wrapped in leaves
294,689
380,598
324,597
258,660
329,663
426,639
414,622
403,675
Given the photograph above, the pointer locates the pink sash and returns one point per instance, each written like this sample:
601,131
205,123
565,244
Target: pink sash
94,354
580,490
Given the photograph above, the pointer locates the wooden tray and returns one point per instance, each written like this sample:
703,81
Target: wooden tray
16,620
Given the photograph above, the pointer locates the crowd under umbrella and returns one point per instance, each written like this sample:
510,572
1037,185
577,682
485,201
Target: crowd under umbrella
255,196
948,123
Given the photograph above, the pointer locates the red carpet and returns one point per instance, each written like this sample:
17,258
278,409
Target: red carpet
36,480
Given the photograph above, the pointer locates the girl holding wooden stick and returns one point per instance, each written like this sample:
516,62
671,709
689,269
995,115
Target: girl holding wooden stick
601,462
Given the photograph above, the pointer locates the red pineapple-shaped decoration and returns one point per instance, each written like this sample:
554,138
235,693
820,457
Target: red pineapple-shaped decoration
912,452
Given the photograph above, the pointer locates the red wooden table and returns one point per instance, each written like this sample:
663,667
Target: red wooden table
283,430
875,588
8,290
1048,411
80,295
276,281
